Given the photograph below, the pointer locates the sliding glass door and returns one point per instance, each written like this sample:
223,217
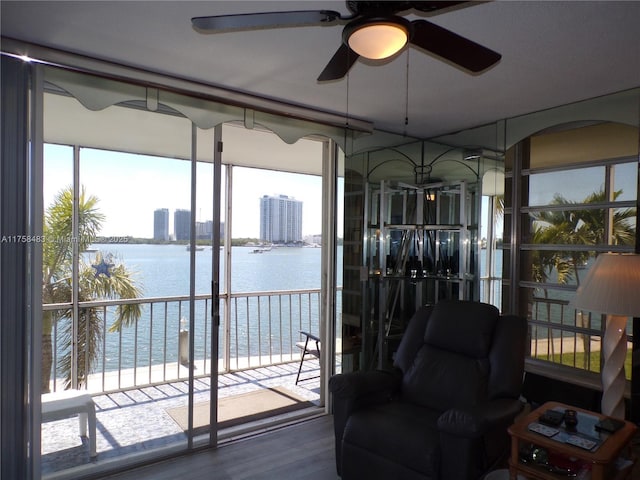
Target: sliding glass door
180,277
131,268
272,290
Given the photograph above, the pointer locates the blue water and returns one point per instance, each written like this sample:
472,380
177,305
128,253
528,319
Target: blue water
163,271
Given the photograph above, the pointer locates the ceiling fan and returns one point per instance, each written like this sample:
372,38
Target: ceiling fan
374,30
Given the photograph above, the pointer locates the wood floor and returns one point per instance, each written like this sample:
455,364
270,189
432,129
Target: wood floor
303,452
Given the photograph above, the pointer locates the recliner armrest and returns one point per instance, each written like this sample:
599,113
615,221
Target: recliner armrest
476,421
362,384
472,439
355,390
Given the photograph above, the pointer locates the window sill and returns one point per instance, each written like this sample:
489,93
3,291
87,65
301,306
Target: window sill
567,374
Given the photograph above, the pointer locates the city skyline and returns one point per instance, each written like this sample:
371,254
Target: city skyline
128,196
161,226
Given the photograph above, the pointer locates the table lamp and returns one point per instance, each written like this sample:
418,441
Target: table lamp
612,287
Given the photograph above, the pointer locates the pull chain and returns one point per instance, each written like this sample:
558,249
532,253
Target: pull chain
347,109
406,100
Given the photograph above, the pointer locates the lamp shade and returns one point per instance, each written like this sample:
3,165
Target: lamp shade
612,286
377,38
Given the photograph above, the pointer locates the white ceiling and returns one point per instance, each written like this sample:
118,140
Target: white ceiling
553,53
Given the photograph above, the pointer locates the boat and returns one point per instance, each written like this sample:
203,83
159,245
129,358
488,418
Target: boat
261,250
197,248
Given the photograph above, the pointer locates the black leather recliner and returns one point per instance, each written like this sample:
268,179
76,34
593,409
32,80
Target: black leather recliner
443,412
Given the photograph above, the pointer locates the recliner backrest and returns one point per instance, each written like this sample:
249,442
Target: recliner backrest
447,355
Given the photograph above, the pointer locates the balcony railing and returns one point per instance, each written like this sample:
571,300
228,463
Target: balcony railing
562,335
259,329
491,290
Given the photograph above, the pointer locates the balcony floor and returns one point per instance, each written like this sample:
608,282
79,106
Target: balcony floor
135,421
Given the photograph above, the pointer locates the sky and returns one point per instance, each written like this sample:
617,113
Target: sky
573,184
131,187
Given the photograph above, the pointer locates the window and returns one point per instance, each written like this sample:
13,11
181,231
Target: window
577,202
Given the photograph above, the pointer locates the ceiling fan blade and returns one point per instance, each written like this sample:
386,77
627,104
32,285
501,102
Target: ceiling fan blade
339,65
249,21
451,46
434,5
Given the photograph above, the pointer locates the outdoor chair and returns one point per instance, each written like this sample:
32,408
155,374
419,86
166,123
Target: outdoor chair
443,412
309,347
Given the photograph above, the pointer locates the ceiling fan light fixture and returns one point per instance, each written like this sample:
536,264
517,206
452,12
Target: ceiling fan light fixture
377,39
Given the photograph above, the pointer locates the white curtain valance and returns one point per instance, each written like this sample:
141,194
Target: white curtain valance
96,93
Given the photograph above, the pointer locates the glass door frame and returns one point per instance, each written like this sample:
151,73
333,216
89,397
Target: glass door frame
215,286
328,331
212,440
187,444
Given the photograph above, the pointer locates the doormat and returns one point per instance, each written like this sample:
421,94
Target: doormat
238,409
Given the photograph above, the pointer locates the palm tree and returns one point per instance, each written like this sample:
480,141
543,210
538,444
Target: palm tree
622,230
563,228
57,260
582,227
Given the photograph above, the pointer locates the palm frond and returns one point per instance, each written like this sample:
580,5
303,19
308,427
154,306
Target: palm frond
118,284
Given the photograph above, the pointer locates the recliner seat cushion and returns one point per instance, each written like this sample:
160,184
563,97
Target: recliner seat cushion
400,432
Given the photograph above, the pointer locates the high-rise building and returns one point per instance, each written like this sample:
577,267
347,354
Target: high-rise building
204,230
182,224
161,224
280,219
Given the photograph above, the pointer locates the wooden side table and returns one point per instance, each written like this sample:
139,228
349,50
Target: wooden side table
602,460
